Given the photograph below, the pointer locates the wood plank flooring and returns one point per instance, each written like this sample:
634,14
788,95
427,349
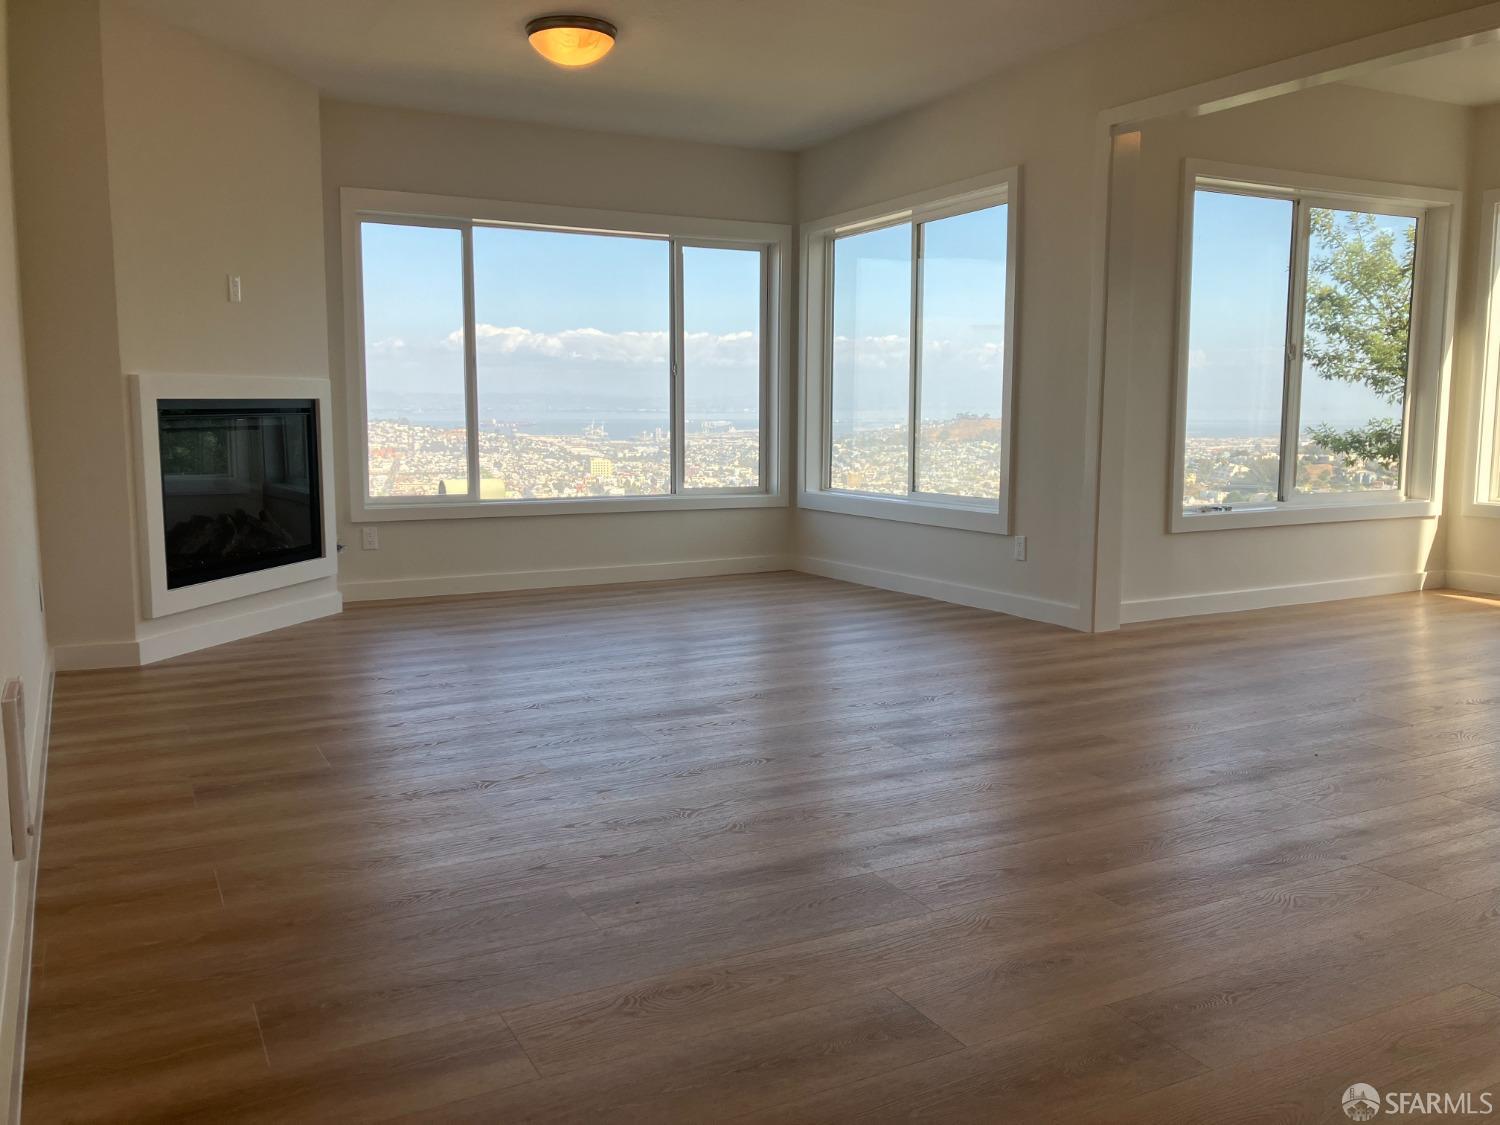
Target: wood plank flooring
775,848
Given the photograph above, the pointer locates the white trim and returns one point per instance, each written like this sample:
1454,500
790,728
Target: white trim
1473,580
159,600
974,193
1111,285
505,581
168,643
958,593
17,987
774,240
1267,597
1305,512
1433,308
934,513
1481,496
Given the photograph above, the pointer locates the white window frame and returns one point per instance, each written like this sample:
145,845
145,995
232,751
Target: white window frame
987,515
1429,350
359,205
1482,498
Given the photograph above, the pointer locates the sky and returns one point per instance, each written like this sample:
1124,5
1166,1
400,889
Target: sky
1237,326
569,323
565,324
570,326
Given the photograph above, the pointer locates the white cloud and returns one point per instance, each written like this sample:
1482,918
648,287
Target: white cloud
589,346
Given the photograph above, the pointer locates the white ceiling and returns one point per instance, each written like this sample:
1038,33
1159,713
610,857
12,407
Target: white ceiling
766,73
1470,76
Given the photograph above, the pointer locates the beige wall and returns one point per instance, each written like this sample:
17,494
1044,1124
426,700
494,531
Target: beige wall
23,644
405,150
1332,130
1042,116
214,169
1473,542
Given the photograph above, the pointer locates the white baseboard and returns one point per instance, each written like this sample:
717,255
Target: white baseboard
1473,580
102,654
1266,597
191,638
1017,605
494,582
17,987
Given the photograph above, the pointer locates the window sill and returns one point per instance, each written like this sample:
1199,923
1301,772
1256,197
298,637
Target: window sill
377,512
1282,515
1483,509
964,517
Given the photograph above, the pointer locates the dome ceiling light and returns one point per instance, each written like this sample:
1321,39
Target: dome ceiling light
571,41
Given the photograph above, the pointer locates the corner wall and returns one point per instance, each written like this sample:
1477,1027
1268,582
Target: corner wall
214,169
1044,117
445,154
151,164
1473,541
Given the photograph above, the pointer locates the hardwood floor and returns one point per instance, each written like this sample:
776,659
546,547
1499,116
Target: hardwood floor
775,848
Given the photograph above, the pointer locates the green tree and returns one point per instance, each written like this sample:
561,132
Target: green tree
1359,323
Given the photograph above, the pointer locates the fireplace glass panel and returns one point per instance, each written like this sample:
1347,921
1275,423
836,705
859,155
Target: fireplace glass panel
240,486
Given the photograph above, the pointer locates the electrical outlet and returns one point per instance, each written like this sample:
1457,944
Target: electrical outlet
370,538
1019,542
235,293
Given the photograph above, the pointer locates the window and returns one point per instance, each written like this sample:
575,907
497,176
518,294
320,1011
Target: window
909,357
1305,385
542,360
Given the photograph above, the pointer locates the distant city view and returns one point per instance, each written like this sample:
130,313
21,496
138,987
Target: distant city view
1247,470
419,459
955,457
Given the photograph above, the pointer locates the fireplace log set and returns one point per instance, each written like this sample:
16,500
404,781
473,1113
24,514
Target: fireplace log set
203,541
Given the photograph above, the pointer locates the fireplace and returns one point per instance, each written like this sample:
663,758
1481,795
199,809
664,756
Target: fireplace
234,488
240,486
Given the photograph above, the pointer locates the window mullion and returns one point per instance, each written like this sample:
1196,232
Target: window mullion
471,365
1291,394
915,383
677,350
825,389
768,403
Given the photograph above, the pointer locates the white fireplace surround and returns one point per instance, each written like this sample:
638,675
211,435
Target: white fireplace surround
158,600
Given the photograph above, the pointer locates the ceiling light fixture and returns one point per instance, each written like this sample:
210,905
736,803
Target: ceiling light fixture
571,41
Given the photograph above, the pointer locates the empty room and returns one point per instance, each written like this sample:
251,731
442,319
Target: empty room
772,562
